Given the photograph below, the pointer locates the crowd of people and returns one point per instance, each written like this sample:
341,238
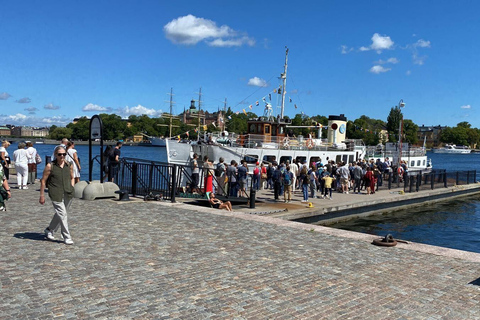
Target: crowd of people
314,180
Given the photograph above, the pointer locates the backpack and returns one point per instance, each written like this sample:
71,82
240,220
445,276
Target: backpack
219,170
287,178
276,175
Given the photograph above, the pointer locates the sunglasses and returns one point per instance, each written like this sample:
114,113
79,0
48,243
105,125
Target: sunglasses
61,154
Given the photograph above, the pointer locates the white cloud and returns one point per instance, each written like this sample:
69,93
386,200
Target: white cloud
257,82
379,69
94,107
362,48
380,43
190,30
24,120
31,110
465,106
420,60
345,49
391,60
24,100
138,111
4,96
422,44
50,106
408,72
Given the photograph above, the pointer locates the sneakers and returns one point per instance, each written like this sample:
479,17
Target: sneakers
330,198
49,234
2,208
25,187
68,241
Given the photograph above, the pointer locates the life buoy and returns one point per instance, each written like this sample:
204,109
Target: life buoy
309,143
400,170
286,142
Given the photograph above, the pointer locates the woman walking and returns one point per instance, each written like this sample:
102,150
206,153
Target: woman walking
5,158
58,178
32,163
20,157
72,158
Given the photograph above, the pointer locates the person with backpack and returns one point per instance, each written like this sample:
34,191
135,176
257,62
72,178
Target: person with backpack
277,181
114,162
220,176
287,185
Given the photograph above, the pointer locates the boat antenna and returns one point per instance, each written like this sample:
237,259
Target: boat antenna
283,76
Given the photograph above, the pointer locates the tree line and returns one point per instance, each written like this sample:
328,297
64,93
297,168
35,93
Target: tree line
371,131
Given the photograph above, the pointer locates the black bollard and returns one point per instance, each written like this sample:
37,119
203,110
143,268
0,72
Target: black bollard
252,198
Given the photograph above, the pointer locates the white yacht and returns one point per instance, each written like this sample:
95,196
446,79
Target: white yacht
453,149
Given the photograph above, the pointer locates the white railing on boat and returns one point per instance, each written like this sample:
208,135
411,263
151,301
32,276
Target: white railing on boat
284,143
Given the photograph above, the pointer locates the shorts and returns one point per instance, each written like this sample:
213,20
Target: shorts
243,183
344,181
216,205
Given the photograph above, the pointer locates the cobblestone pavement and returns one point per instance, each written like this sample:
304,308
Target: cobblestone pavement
151,260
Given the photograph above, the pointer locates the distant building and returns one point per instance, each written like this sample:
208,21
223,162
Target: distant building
192,115
431,135
5,131
23,131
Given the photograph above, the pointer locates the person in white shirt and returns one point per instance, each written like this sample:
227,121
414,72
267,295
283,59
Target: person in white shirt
294,169
32,164
20,157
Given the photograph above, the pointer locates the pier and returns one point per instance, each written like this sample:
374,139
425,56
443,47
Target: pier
161,260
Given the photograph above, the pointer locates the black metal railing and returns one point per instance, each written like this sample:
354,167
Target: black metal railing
143,177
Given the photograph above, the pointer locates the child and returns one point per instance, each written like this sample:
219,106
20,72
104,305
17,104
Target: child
328,184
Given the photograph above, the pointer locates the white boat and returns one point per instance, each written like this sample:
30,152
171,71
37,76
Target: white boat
453,149
415,157
267,141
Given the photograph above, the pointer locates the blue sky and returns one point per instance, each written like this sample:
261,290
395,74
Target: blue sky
65,59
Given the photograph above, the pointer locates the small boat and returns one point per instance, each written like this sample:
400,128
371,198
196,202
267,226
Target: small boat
453,149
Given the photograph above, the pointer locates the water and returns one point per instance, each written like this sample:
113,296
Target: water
454,224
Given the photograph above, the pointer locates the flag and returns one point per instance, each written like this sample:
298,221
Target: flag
256,103
214,124
274,90
229,117
238,112
295,106
290,99
244,111
188,134
264,100
204,127
196,130
270,96
250,107
178,138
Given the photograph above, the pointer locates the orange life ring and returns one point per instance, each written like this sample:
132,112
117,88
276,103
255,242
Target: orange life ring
400,170
309,143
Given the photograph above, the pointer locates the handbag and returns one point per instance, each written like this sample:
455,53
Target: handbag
38,159
264,176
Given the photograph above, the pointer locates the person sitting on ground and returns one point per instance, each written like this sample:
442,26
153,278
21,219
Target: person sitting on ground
219,204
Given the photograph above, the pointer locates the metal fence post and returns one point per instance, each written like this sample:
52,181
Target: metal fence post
419,180
432,180
445,179
134,178
252,196
174,183
389,180
456,178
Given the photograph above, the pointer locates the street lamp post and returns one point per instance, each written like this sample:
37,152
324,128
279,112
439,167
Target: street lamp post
401,104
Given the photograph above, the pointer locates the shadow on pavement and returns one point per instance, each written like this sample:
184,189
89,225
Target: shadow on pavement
32,236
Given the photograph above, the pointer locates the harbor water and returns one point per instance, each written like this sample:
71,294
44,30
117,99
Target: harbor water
454,224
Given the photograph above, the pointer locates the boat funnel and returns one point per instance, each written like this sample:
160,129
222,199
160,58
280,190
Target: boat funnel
337,129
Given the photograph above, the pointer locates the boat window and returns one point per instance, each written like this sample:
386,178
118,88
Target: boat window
281,130
285,158
252,128
412,163
267,128
345,158
269,159
350,159
424,162
419,163
300,159
251,158
259,128
315,159
338,158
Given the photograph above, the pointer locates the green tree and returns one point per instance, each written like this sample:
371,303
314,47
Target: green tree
393,123
60,132
80,129
410,130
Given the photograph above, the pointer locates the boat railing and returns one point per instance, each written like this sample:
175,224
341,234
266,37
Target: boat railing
285,143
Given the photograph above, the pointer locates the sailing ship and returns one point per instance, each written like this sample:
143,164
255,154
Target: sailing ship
267,140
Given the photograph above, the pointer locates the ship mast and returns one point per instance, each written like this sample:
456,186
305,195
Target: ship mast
283,76
171,114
